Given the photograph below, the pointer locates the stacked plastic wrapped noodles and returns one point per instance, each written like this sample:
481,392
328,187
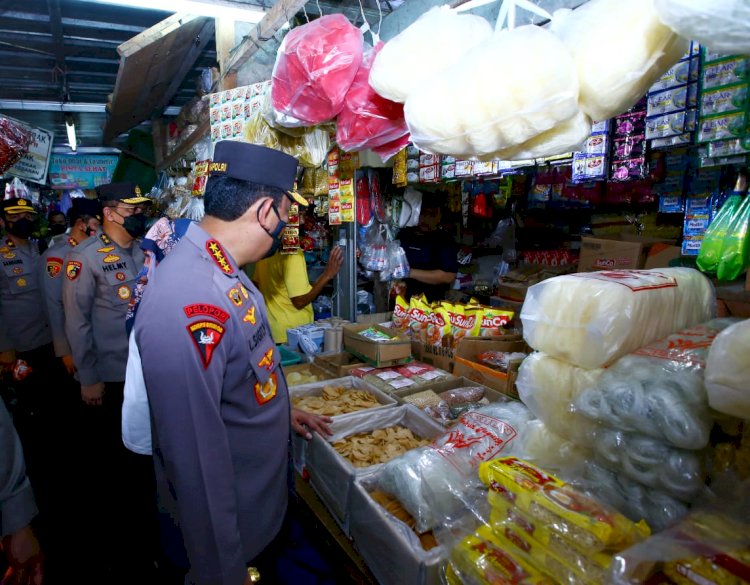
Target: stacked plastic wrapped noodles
652,421
436,484
591,319
620,49
538,529
728,371
549,387
436,40
464,112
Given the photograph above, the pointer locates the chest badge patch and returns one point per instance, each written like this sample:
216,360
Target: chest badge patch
244,291
21,282
73,269
219,256
235,296
206,336
120,276
106,249
123,292
9,255
207,310
111,258
267,391
250,316
54,267
267,360
18,270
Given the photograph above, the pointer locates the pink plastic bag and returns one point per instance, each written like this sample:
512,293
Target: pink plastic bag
314,69
368,120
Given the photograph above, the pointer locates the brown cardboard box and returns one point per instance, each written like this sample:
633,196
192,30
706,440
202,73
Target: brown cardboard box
466,364
624,252
375,318
379,354
339,364
439,357
514,285
661,254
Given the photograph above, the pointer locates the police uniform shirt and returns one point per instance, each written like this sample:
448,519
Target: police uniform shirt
219,406
97,284
23,322
435,250
51,276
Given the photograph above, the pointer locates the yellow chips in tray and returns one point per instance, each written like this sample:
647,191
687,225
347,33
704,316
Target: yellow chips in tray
484,558
378,446
579,519
335,400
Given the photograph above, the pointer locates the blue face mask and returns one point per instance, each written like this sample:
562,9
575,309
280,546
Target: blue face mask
275,234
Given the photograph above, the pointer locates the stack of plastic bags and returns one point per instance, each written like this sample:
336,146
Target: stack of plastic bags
653,420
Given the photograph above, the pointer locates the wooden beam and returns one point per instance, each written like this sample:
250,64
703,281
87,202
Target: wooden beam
55,24
160,139
200,132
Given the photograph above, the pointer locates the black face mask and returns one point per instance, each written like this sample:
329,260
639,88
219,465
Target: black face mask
56,229
275,234
21,228
135,224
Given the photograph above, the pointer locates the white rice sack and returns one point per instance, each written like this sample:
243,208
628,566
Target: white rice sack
728,371
549,387
567,136
721,25
436,40
466,111
620,50
590,319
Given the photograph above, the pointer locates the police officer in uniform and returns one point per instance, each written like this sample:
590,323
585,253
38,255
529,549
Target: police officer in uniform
218,396
99,274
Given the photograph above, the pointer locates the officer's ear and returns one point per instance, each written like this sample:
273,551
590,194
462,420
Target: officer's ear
264,211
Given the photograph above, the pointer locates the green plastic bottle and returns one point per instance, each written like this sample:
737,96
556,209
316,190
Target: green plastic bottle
713,241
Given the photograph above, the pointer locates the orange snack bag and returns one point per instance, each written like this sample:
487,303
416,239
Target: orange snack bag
461,323
418,317
438,326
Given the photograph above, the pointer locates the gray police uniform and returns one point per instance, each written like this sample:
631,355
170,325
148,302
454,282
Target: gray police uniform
219,405
99,277
23,323
51,278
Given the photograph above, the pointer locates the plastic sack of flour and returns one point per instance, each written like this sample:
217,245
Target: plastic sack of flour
728,371
432,482
549,387
620,50
567,136
590,319
466,111
658,391
367,119
314,69
721,25
436,40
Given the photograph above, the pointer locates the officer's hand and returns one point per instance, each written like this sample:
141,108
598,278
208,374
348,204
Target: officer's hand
24,557
68,364
303,422
7,359
93,394
335,260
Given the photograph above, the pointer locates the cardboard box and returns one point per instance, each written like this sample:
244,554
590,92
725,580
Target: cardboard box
375,318
339,364
624,252
466,364
379,354
439,357
332,476
311,368
299,444
660,255
393,554
444,385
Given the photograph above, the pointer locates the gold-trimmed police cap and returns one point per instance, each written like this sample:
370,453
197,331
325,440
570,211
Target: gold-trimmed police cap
257,164
128,193
16,205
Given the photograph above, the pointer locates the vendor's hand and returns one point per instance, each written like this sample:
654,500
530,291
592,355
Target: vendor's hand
92,394
7,359
24,557
68,364
303,422
335,260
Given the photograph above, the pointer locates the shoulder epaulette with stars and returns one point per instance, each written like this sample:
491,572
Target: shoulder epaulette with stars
219,256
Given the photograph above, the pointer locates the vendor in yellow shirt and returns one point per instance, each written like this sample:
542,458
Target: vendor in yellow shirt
282,280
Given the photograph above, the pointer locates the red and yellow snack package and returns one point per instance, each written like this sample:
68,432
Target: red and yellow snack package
493,320
461,324
438,327
401,314
418,317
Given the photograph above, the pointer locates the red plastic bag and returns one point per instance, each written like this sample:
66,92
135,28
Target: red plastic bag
314,69
368,120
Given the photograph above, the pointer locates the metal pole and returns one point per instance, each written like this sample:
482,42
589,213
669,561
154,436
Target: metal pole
346,280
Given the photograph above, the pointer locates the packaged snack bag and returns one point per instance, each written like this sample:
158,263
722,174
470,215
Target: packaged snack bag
401,314
493,320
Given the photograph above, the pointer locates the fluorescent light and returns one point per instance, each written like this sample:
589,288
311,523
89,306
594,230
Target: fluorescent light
70,127
250,14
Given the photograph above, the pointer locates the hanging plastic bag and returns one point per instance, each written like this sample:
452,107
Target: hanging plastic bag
397,265
728,371
367,119
314,69
620,49
14,142
375,257
721,25
436,40
734,252
411,208
712,246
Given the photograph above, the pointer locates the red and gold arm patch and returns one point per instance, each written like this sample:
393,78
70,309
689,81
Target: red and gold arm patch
206,310
73,269
267,391
54,267
206,336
